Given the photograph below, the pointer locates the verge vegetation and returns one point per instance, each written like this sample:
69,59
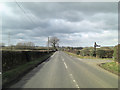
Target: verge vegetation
103,53
15,67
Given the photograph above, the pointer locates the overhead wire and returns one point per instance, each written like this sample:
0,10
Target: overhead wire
24,11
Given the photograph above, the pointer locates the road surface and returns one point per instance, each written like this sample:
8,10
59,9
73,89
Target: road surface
65,71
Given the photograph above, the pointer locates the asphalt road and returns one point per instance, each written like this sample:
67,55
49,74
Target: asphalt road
64,71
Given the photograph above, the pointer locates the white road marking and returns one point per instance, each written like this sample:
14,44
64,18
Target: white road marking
71,76
0,73
74,81
77,86
65,65
53,54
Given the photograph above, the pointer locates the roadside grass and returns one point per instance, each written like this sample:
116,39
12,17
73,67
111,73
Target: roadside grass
87,57
21,70
112,67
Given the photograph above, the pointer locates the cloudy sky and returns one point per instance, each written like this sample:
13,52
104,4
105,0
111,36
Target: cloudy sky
75,24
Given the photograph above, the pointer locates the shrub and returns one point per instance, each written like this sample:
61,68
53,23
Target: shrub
77,52
104,53
100,53
85,52
117,53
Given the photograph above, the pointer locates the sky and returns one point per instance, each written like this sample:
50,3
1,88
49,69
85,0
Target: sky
77,24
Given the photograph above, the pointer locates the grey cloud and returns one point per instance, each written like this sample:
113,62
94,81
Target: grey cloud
68,21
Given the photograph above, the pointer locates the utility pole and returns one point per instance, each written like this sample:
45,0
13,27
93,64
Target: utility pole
95,45
48,44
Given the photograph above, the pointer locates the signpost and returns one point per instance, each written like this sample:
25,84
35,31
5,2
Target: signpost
95,45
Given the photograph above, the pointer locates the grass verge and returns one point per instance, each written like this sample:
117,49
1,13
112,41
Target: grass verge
87,57
112,67
11,76
109,66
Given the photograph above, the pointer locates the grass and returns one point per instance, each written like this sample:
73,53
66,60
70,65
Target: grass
87,57
19,71
112,67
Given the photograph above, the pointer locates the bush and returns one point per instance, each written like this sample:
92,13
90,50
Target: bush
77,52
100,53
104,53
117,53
109,53
86,52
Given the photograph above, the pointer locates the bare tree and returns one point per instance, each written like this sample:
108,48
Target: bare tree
25,45
54,41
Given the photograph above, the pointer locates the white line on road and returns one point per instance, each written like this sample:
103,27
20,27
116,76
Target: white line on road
77,86
53,54
0,73
71,76
74,81
65,65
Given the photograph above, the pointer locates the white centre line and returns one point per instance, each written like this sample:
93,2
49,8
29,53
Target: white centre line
65,65
77,86
74,81
71,76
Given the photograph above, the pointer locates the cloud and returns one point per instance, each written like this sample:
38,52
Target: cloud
75,24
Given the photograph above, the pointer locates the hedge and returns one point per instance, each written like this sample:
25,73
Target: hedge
117,53
100,52
104,53
11,59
